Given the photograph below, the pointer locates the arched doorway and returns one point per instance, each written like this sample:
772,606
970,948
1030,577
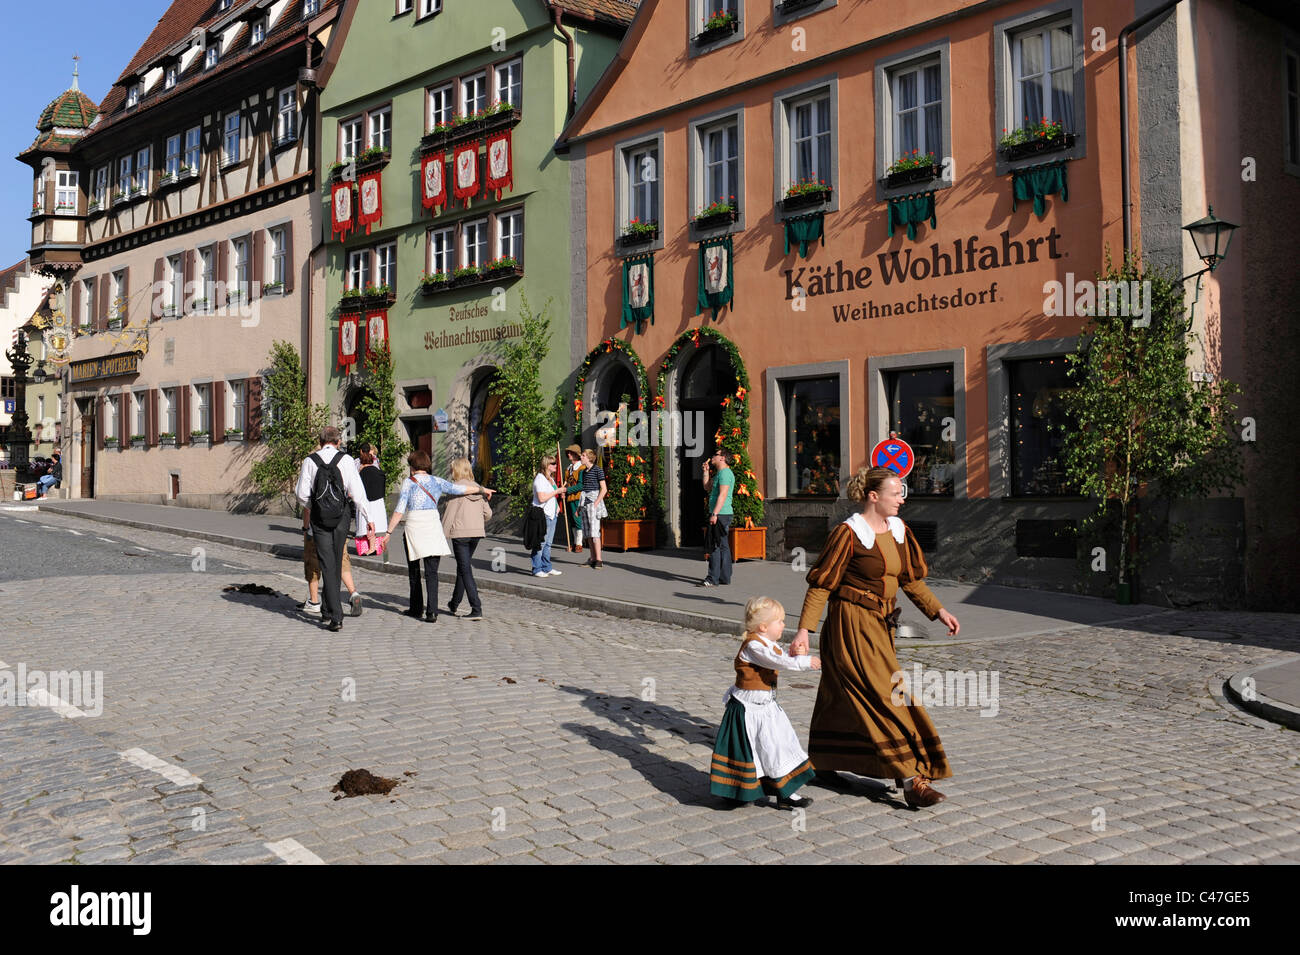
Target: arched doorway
354,413
707,378
484,426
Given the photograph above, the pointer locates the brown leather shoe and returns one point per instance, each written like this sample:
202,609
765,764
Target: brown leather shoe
922,794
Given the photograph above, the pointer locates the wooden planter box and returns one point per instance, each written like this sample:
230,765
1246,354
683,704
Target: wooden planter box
790,6
435,139
806,200
349,305
717,33
502,120
509,272
456,281
910,176
1036,146
748,543
433,288
379,301
631,239
717,219
627,535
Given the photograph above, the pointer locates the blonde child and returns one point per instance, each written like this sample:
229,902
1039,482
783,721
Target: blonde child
757,748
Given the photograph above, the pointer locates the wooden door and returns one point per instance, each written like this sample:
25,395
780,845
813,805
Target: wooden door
88,453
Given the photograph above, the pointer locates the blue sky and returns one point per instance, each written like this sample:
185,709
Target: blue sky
36,66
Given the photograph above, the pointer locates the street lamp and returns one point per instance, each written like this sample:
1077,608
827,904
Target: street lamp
1211,236
39,374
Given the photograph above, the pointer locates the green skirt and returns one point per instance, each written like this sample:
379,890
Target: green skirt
732,774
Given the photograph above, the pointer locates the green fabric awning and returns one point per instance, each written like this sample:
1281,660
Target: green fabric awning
805,230
1037,183
911,211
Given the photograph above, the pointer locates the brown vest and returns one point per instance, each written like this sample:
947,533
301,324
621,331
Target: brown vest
751,677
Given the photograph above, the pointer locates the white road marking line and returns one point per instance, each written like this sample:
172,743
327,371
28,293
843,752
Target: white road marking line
294,852
3,665
43,697
106,540
290,576
174,774
71,531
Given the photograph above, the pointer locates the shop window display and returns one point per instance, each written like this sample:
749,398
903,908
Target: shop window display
921,412
812,414
1038,424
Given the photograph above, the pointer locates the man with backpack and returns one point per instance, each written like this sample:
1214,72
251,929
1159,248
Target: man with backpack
327,480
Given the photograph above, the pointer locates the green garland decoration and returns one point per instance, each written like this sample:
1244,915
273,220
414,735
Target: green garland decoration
628,473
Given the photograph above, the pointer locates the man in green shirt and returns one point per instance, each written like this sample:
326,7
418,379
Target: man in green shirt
720,483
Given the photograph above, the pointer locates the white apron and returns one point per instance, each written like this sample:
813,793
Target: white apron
423,535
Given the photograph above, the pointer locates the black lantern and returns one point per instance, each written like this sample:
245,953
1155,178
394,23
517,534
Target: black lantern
39,373
1211,236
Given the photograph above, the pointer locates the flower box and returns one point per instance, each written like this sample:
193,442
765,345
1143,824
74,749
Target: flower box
166,440
373,159
748,543
234,434
352,302
1037,146
436,138
273,288
110,442
468,276
137,441
627,535
715,220
503,272
379,298
727,26
806,199
634,235
908,177
501,119
92,207
200,437
792,6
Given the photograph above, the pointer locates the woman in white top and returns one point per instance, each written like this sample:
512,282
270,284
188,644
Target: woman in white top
547,495
372,479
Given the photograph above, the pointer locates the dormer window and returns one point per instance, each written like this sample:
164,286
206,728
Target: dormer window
132,95
259,33
170,78
309,8
225,5
210,56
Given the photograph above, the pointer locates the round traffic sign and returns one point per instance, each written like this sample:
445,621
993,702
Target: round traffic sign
895,454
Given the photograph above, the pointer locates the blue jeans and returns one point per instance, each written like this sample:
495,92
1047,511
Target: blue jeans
542,556
720,559
44,483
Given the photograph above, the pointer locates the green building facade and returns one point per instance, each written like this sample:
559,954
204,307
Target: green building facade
390,86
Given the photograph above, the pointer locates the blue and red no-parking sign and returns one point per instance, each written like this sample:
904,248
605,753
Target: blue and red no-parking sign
895,454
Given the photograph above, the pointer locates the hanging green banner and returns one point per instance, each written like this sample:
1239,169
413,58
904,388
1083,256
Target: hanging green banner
911,211
1037,183
805,230
716,286
638,291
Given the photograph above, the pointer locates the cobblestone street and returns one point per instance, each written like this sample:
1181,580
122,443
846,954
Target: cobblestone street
551,735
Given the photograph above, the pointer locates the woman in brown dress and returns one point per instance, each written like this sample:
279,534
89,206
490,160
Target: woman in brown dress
856,726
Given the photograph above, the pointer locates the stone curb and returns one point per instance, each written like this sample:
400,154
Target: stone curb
1274,711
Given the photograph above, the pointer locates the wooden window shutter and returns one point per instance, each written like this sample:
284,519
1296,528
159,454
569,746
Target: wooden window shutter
99,423
101,312
257,249
253,409
290,266
159,275
151,417
126,297
217,413
183,432
187,269
223,272
127,426
75,318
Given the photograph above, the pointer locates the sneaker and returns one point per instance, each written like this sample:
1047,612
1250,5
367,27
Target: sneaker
309,607
355,600
476,615
451,609
706,583
600,565
335,626
540,573
794,802
555,573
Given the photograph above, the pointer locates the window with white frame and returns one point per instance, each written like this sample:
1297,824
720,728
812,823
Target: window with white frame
386,265
442,251
65,192
719,147
442,106
117,304
309,8
169,79
277,249
202,398
190,164
429,7
230,151
643,183
207,276
87,303
1292,104
405,6
175,284
350,139
712,11
1042,74
168,415
101,187
258,34
916,95
111,423
124,175
132,95
139,399
380,134
474,244
235,407
210,56
141,170
510,83
473,94
358,269
809,125
286,117
510,235
240,273
172,158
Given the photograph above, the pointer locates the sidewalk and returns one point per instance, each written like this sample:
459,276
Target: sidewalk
658,586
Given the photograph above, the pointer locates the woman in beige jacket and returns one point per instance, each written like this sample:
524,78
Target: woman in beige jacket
463,523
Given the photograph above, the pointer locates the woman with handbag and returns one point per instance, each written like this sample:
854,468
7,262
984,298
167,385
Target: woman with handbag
373,480
463,520
424,538
547,496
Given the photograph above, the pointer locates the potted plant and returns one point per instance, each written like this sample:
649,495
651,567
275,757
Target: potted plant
433,283
717,213
351,301
630,525
911,168
199,436
66,207
375,157
467,275
806,192
137,441
721,24
166,179
169,311
437,136
234,434
503,267
790,6
167,439
376,295
1033,138
186,170
110,441
92,206
273,287
747,536
637,232
119,195
500,115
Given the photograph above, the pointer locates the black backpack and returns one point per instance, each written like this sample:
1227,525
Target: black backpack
329,499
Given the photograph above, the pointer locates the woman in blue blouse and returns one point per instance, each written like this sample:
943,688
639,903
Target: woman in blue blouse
425,541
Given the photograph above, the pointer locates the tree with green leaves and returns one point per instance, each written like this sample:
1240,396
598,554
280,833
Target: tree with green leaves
292,424
377,410
530,424
1142,428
